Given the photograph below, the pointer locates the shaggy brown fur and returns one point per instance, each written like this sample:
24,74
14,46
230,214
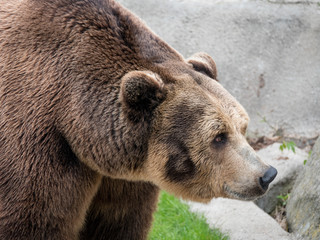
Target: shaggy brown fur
97,113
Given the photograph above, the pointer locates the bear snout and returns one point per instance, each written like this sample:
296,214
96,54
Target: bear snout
268,177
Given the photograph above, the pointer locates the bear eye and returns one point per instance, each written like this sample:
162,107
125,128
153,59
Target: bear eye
220,139
244,129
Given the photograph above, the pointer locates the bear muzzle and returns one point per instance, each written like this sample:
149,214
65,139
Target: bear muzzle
244,191
268,177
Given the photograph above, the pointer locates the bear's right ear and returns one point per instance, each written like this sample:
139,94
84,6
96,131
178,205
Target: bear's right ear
141,92
203,63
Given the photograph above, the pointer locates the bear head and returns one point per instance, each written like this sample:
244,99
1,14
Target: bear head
197,147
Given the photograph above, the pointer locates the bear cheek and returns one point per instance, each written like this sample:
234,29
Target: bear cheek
179,168
197,182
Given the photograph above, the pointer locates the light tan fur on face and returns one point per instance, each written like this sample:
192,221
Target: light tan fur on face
232,171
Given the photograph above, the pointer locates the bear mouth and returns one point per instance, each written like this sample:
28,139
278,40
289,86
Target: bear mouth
248,195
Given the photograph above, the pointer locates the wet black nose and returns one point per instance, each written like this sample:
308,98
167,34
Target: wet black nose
268,177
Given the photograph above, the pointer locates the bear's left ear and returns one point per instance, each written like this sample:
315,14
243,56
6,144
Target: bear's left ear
141,92
202,62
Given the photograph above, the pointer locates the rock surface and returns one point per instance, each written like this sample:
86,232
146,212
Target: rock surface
267,53
303,208
240,220
288,164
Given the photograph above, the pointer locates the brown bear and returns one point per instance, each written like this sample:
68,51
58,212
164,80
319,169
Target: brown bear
97,114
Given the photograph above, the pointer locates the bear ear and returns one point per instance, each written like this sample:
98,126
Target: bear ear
141,92
203,63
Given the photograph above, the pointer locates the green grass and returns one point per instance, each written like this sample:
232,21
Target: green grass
174,221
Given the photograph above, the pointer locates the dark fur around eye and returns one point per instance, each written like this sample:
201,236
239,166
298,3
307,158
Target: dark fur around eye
244,129
220,140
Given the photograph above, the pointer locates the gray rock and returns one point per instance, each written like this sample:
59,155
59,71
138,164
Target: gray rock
267,54
303,208
288,164
240,220
294,1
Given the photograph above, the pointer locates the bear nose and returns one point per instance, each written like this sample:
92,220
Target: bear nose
268,177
